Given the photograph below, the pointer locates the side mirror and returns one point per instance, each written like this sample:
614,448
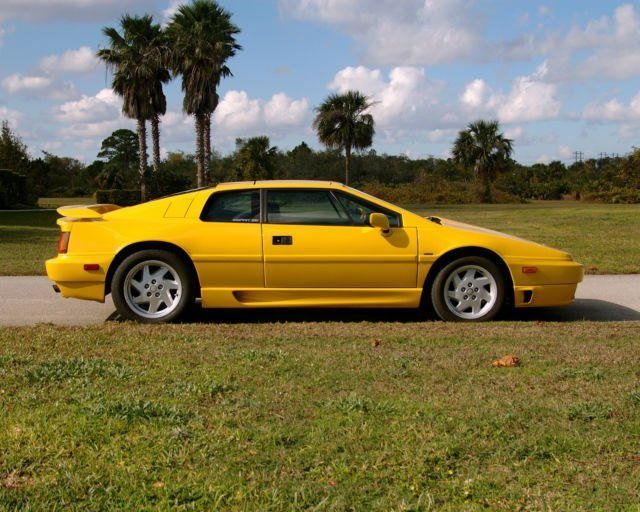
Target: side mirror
379,220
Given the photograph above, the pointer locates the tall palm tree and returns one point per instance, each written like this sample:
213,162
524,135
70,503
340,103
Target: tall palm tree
202,39
482,146
136,59
158,98
341,122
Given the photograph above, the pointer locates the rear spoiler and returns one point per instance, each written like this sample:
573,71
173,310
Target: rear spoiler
81,213
94,211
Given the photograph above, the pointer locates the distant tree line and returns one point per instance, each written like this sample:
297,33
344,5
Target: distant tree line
393,177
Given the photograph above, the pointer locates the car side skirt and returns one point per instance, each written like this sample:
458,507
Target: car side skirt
317,297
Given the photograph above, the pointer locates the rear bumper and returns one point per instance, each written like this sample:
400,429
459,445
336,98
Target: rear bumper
73,281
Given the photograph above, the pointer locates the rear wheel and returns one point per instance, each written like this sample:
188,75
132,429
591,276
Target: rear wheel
469,289
152,286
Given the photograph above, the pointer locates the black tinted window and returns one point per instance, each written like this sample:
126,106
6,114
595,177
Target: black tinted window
359,210
237,206
304,207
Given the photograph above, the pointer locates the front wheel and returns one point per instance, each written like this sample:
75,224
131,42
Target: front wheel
152,286
468,289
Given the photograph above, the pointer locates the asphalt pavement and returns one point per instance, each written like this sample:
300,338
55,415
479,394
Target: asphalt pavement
31,300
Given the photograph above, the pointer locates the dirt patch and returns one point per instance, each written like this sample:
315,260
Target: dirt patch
15,480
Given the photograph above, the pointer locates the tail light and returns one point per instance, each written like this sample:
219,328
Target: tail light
63,242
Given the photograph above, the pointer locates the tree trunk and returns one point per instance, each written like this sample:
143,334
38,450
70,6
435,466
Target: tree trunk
142,166
155,136
200,149
347,163
207,149
487,196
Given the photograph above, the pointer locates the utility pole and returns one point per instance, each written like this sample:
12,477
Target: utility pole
578,155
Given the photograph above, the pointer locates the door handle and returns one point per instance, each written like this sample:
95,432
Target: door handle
282,240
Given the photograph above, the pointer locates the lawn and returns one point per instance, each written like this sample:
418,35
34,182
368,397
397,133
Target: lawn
318,416
602,237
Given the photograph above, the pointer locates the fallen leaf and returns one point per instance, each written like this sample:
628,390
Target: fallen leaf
508,360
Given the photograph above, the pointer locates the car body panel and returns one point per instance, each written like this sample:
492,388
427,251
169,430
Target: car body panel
238,265
339,257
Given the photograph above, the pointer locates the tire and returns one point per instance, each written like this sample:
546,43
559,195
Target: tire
455,300
159,276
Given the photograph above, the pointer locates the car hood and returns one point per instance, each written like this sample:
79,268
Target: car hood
505,243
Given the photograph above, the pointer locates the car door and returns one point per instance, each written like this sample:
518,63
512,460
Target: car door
227,247
311,239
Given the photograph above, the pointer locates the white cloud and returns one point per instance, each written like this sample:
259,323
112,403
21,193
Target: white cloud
12,116
475,93
613,110
237,112
81,60
70,10
531,98
564,152
19,83
440,135
39,86
104,106
168,13
281,110
239,115
407,32
514,133
406,96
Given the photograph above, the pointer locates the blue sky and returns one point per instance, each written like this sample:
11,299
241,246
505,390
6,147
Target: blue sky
560,76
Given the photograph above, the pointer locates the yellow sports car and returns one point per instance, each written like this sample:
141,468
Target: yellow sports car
298,244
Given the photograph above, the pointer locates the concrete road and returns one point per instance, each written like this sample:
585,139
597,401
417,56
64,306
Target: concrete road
31,300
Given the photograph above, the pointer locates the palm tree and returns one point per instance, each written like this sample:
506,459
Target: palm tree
255,158
341,123
482,146
158,98
202,39
135,57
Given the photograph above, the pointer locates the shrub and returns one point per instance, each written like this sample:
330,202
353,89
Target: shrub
124,197
13,190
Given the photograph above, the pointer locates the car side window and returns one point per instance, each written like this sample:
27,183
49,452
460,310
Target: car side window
359,210
304,207
235,206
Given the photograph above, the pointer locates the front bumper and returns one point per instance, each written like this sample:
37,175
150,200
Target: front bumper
554,283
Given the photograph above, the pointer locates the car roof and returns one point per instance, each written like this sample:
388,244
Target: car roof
280,184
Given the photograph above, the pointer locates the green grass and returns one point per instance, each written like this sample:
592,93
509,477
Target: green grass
27,239
312,416
55,202
602,237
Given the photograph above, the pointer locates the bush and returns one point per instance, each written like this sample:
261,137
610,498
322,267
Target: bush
427,188
166,182
614,195
13,190
124,197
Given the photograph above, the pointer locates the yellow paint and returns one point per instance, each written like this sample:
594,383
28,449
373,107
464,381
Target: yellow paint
348,266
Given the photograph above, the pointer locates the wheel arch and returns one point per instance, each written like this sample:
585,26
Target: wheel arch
461,252
127,251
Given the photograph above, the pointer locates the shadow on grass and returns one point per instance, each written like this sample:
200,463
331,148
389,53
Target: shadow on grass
582,309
